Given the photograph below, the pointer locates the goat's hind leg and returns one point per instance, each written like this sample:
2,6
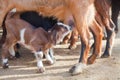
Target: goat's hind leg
98,35
5,54
7,47
110,39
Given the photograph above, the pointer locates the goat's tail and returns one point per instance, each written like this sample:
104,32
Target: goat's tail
10,14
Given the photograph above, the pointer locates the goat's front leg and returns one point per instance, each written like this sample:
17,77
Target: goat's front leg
78,68
39,56
49,56
51,53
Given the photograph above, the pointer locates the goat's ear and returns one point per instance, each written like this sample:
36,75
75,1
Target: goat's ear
56,37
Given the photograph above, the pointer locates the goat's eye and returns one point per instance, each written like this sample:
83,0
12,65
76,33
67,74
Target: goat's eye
65,28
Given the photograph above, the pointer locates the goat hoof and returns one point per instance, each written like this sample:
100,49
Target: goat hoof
41,70
105,56
72,47
91,59
52,61
77,69
5,66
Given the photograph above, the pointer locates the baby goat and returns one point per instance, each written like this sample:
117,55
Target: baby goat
37,40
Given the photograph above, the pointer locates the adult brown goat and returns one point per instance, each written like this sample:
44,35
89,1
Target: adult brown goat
79,12
103,18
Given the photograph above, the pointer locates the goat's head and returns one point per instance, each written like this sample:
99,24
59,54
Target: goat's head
59,31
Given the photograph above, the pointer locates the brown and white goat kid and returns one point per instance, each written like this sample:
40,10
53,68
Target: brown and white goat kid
37,40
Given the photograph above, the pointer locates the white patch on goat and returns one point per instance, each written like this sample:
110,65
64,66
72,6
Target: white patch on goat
22,39
13,10
11,50
39,64
51,53
22,33
67,26
4,61
39,56
49,58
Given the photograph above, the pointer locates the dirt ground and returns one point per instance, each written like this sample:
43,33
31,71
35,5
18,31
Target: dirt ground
25,68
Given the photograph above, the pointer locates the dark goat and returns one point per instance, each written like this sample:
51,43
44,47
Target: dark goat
115,12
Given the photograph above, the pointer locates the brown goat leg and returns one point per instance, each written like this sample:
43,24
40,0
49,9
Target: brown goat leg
5,55
74,39
98,35
110,38
85,48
